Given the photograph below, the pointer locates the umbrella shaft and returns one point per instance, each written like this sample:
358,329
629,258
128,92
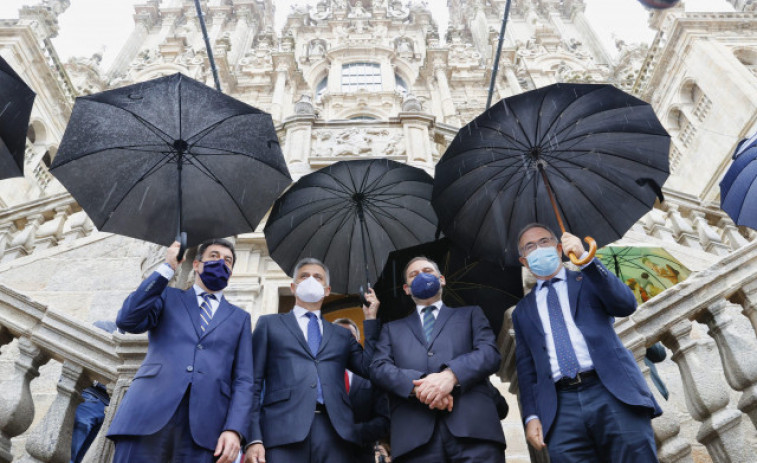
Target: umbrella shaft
552,199
495,68
207,45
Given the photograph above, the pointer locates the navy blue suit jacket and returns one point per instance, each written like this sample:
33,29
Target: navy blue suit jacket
461,340
596,298
370,407
217,364
286,374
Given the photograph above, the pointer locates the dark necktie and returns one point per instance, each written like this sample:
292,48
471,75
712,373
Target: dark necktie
566,356
428,322
314,342
206,313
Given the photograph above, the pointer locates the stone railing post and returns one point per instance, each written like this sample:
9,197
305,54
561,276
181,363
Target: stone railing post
77,226
671,447
737,355
23,242
731,234
683,231
7,230
50,440
748,301
16,404
50,232
708,236
707,398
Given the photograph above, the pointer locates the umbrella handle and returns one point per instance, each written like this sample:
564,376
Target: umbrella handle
182,239
592,250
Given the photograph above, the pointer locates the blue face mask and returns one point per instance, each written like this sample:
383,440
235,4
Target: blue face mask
215,274
543,262
425,286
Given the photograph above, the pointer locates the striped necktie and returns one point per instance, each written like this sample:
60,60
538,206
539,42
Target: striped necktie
206,312
566,356
428,321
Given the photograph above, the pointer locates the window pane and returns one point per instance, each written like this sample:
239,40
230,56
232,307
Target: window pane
361,75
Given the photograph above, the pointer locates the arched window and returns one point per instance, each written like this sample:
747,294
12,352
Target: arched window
362,118
320,89
357,76
399,85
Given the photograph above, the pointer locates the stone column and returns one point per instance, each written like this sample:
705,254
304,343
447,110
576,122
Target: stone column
416,138
736,353
512,80
16,404
277,101
50,440
144,19
707,399
244,33
448,106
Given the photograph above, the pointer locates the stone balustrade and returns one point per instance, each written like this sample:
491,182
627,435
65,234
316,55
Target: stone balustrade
722,298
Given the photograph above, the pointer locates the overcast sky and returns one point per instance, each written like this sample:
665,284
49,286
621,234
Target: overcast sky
89,26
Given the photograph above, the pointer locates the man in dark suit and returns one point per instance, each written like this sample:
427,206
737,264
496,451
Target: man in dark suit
191,399
370,407
582,394
301,409
435,364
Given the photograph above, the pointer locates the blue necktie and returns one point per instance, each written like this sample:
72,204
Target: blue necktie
206,313
314,342
566,356
428,322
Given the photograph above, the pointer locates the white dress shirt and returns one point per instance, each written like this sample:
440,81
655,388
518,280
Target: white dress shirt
168,272
435,312
300,313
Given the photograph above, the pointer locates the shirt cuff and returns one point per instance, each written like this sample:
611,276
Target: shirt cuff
583,256
531,417
251,444
166,271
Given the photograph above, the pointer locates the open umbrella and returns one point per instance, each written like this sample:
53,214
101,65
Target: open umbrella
16,100
468,282
171,154
738,189
587,158
648,271
350,215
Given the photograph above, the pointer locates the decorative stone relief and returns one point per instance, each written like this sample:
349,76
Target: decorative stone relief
317,48
357,142
358,11
322,11
397,10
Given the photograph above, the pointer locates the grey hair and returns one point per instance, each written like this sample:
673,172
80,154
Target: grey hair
529,227
311,261
416,259
347,321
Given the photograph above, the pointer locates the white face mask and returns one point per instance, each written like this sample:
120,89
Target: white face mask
310,290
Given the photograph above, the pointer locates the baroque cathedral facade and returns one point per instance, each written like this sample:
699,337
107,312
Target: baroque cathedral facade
348,79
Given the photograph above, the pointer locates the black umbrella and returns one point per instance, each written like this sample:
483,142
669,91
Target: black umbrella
468,282
590,154
350,215
171,154
16,100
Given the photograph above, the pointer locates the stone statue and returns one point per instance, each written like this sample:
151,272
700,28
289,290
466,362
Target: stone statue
358,11
322,11
397,10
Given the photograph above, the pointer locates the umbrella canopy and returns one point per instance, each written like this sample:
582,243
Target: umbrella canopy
468,282
603,151
738,189
648,271
16,100
350,215
167,154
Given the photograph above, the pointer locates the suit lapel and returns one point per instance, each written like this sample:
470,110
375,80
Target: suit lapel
290,321
414,323
444,314
532,312
328,333
222,313
574,286
189,298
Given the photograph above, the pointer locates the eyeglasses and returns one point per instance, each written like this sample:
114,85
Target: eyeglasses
542,243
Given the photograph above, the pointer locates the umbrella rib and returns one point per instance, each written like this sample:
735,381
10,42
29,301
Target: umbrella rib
562,111
207,130
154,129
99,151
232,152
596,114
292,229
581,153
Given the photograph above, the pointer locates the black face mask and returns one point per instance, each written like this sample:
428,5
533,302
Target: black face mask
215,274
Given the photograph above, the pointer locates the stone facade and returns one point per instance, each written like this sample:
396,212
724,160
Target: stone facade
347,79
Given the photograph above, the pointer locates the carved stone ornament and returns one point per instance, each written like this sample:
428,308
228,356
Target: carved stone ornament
397,10
304,106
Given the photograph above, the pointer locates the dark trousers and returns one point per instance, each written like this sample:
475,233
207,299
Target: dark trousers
90,415
592,426
446,448
322,445
172,444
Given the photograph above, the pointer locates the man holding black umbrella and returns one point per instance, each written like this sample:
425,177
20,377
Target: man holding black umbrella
583,396
435,363
191,399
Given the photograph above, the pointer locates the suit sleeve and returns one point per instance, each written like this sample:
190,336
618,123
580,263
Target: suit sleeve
242,391
259,357
478,364
616,296
385,373
361,357
377,427
524,364
142,309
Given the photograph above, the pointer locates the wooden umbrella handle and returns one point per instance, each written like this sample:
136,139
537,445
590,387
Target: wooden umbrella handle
592,250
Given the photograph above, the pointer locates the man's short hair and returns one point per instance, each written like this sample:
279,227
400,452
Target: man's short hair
311,261
347,321
220,242
416,259
529,227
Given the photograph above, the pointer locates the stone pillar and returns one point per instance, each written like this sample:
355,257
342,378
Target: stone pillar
244,33
50,440
277,101
16,404
736,353
417,142
707,399
448,106
299,134
144,19
671,447
512,80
